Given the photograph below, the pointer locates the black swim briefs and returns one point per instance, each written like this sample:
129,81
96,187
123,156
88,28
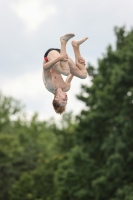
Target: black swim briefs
51,49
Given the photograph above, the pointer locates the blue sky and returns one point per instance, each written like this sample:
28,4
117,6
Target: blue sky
29,27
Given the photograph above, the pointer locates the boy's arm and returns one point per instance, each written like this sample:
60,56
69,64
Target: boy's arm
69,78
50,64
68,82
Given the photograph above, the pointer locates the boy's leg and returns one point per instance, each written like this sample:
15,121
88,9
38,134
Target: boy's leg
78,69
62,66
54,55
64,39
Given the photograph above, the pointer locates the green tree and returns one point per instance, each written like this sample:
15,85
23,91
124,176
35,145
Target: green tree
100,167
90,158
39,183
22,144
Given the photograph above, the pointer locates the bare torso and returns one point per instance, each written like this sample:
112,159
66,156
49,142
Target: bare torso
53,79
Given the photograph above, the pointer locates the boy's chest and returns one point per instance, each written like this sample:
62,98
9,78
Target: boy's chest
58,81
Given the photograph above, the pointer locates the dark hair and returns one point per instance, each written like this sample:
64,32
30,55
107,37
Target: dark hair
58,109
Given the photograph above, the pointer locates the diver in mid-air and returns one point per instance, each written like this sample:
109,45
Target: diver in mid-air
57,63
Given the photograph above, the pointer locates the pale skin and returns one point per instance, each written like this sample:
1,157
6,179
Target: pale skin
61,63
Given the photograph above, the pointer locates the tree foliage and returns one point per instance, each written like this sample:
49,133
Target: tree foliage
86,157
104,133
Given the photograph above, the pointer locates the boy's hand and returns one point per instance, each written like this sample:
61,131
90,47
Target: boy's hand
81,60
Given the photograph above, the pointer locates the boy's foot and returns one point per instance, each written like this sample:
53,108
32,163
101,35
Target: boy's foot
78,42
66,37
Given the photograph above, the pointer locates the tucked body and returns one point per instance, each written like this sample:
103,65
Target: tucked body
57,63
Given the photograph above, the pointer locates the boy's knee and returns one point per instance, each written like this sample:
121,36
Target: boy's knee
66,73
83,75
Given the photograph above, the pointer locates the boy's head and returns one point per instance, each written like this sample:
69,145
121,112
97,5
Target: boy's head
60,101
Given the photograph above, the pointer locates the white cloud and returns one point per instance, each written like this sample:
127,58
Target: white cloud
33,12
30,84
21,53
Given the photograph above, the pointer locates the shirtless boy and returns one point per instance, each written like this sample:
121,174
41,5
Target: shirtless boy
57,62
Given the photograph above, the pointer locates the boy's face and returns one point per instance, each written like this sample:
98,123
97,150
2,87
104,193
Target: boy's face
62,98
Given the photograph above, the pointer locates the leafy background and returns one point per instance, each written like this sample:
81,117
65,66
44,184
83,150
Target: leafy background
84,157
